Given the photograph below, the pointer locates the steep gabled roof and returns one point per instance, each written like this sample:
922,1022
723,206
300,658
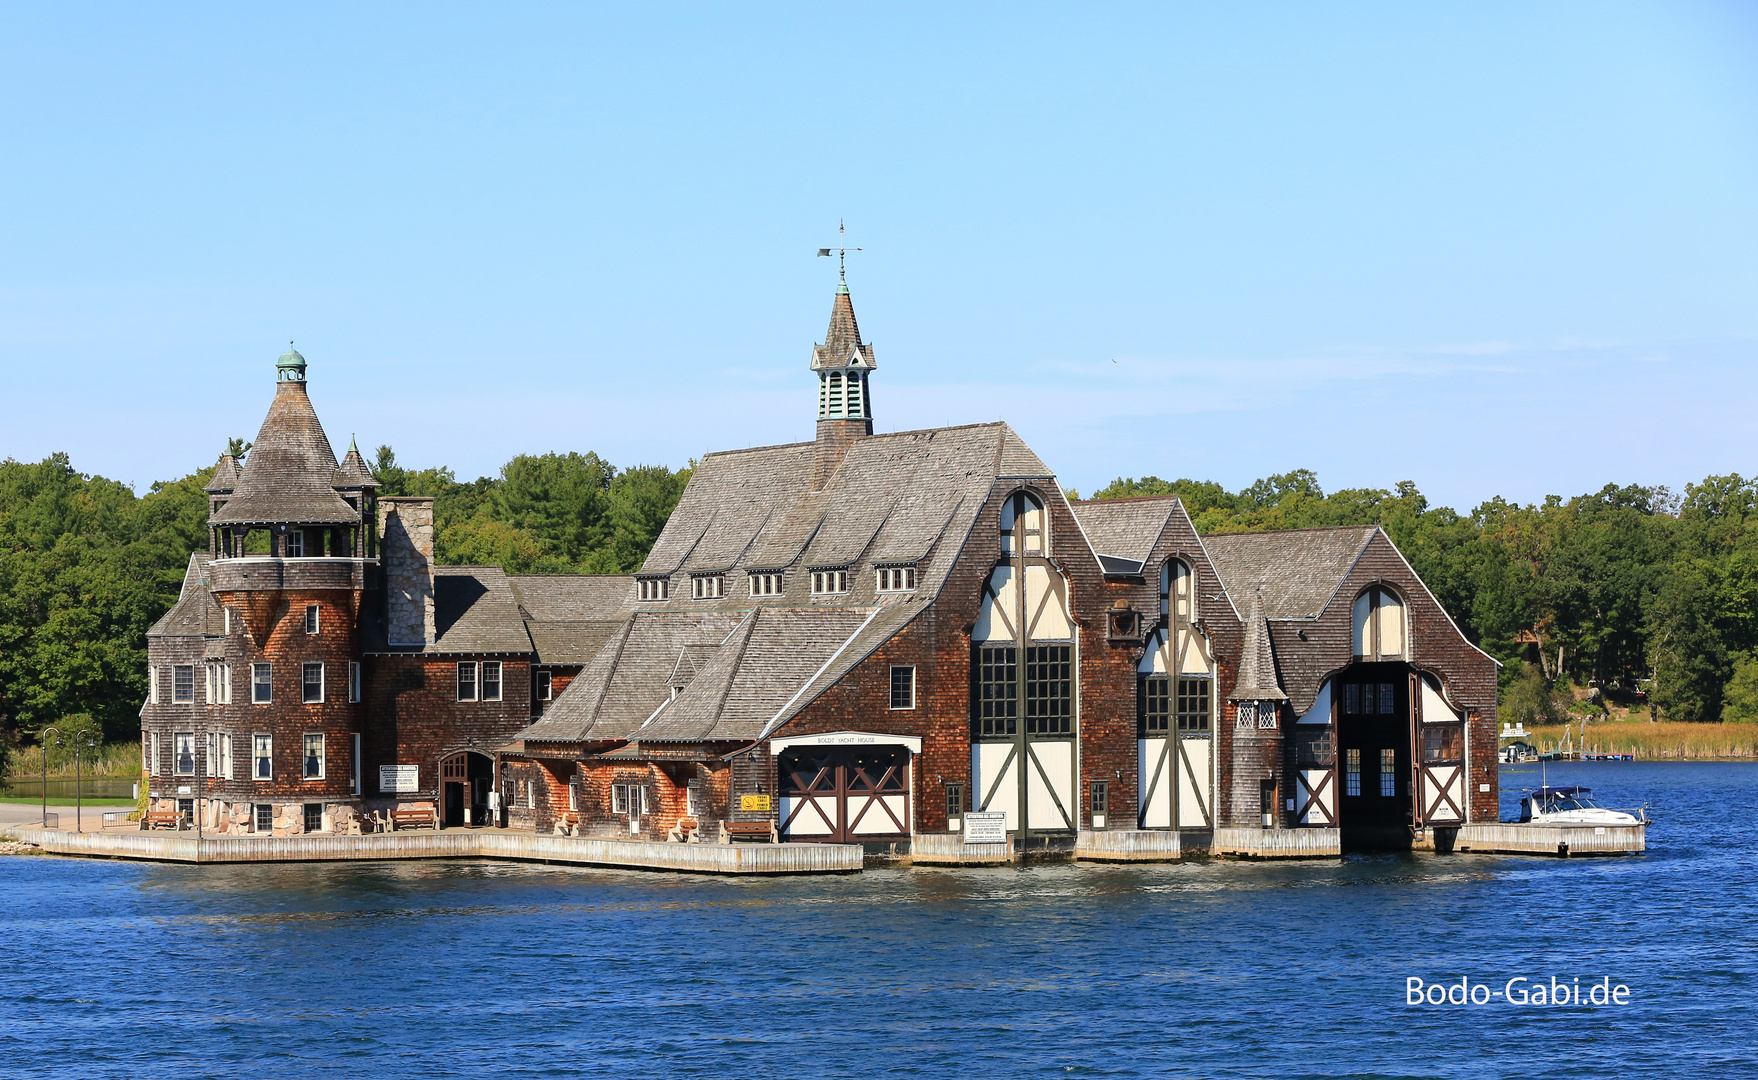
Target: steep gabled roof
474,611
1296,571
225,479
1123,531
289,474
571,616
352,474
196,613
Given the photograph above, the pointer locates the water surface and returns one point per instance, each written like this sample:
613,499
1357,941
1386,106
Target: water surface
452,969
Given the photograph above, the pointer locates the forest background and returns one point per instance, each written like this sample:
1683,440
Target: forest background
1625,588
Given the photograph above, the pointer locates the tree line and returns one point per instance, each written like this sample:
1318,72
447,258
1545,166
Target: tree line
1624,587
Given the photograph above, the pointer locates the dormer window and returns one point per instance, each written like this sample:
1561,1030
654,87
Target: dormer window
830,582
767,583
706,586
1022,525
653,588
894,579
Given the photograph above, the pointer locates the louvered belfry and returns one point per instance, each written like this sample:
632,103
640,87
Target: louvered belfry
845,405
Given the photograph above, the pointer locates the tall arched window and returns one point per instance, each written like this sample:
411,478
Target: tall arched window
1022,525
1379,624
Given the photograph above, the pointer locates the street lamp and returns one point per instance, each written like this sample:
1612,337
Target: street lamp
43,744
82,740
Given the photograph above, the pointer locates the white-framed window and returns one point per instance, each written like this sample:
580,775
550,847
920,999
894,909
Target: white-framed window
223,676
183,684
226,615
353,680
707,586
224,756
183,753
903,687
296,544
619,798
767,583
829,582
262,684
574,795
311,618
467,680
1022,525
354,764
264,814
530,795
653,588
311,684
153,684
545,682
262,757
314,756
150,749
644,807
897,579
208,680
692,800
491,680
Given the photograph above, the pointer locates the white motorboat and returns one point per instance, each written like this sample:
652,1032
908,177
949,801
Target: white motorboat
1572,806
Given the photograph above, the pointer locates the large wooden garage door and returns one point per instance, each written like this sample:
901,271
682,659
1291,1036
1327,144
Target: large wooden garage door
845,794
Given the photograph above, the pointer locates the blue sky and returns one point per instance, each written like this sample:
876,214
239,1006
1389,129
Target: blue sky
1494,249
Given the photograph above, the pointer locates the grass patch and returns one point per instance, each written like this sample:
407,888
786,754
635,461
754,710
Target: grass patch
58,801
111,759
1674,741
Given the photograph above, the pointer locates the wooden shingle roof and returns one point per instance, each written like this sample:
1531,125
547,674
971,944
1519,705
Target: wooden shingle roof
289,474
1295,571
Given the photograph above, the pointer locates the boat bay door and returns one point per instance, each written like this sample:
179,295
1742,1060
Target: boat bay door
1175,705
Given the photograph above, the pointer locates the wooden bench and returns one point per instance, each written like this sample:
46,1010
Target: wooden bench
162,819
731,831
414,819
687,831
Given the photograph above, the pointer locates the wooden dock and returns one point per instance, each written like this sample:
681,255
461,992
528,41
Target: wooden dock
453,844
1510,838
949,849
1278,843
1129,845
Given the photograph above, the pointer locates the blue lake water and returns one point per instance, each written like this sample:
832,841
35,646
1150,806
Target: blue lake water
1198,969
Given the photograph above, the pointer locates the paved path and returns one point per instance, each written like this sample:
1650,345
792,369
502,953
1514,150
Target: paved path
32,814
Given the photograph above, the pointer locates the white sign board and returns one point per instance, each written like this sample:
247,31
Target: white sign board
988,827
393,779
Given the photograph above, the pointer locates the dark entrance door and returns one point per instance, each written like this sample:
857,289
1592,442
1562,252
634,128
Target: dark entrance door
1373,756
845,794
465,781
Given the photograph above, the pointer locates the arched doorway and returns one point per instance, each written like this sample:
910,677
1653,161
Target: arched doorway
466,778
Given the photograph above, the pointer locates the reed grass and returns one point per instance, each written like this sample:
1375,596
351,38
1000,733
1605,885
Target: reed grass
109,760
1657,742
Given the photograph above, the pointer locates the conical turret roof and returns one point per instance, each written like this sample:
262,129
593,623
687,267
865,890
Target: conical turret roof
842,341
1257,661
290,472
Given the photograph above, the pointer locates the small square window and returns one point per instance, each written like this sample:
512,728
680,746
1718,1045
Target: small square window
544,682
903,687
265,817
262,757
262,686
314,817
314,757
466,680
491,680
311,684
311,618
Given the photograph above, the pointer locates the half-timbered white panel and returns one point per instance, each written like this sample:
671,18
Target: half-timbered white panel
1158,659
1050,785
1195,660
1196,797
1000,601
808,816
878,815
1316,797
1154,775
1046,605
1435,709
1443,794
993,780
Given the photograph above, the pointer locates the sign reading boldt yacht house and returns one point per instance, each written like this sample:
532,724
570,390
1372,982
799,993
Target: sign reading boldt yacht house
865,638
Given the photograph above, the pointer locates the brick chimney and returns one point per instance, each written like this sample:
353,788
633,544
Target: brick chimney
405,525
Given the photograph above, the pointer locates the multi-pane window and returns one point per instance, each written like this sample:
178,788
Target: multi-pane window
573,794
262,685
311,683
1442,742
311,618
1388,772
1022,525
903,687
1193,704
545,681
314,817
897,578
1266,715
466,680
314,756
707,586
619,798
1100,795
219,682
265,817
491,680
767,583
998,690
262,757
353,680
1386,707
1156,705
183,684
653,588
296,544
1352,771
183,753
1366,699
1049,689
954,801
827,582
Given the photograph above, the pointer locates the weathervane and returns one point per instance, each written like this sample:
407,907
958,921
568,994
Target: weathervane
842,249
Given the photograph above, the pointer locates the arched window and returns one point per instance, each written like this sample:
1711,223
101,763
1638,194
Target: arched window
1022,525
1379,624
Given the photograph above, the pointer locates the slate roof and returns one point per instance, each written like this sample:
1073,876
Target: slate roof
474,611
1257,661
195,613
1123,531
225,479
290,472
571,616
1296,571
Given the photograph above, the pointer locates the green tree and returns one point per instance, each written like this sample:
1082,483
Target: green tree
1739,701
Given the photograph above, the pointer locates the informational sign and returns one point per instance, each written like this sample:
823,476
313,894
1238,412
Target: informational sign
988,827
393,779
758,804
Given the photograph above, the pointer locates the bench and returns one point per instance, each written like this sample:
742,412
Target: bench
731,831
567,824
414,819
162,819
687,831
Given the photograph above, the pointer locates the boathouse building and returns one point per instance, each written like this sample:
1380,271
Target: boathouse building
879,638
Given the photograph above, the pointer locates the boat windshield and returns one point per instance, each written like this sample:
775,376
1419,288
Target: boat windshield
1570,802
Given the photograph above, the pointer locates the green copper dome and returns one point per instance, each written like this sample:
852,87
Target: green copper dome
291,366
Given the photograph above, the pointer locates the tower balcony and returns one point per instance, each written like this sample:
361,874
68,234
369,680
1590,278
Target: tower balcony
260,573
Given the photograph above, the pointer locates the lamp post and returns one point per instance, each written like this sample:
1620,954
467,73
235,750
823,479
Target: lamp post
43,744
81,741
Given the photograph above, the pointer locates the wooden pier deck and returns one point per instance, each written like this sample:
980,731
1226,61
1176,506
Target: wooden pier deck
1509,838
452,844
